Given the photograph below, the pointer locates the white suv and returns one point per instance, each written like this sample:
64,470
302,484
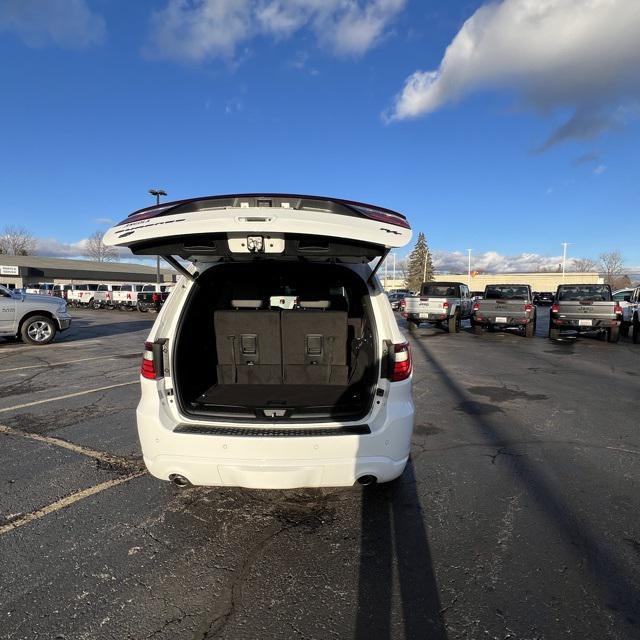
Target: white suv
242,388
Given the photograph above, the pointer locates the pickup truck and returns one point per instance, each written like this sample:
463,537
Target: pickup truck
444,304
505,305
585,308
631,315
81,295
153,296
103,296
33,318
127,296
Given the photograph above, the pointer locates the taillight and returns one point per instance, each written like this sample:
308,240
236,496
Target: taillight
528,307
401,362
618,308
445,305
476,306
108,296
148,367
555,308
155,297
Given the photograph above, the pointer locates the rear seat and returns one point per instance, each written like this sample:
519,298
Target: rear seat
272,346
314,343
248,343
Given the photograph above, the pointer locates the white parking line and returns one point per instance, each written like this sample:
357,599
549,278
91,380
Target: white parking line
57,345
68,395
59,364
64,444
66,502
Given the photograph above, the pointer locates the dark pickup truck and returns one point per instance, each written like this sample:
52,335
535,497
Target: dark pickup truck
505,305
152,297
585,308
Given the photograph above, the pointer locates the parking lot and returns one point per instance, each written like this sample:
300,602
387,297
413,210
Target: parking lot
516,518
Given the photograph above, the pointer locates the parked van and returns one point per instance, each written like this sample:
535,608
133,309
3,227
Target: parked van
237,390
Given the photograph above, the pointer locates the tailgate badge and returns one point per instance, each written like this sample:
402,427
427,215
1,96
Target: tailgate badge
255,244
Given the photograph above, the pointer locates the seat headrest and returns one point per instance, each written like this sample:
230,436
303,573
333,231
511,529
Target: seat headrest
247,304
314,304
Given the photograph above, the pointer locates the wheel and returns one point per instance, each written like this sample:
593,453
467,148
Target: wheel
477,329
530,329
453,324
624,329
142,309
490,328
554,333
613,334
636,330
38,330
95,304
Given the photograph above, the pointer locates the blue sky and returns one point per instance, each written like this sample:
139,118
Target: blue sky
113,98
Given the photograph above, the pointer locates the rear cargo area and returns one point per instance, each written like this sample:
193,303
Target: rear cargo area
276,340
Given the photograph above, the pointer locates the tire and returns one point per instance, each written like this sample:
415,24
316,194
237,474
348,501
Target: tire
613,334
636,331
624,330
38,330
453,324
530,329
142,309
95,305
554,334
477,329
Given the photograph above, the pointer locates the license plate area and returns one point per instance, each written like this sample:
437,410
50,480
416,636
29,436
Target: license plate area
585,323
501,319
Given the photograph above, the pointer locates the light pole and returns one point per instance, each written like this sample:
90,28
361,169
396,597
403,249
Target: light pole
157,193
469,269
564,257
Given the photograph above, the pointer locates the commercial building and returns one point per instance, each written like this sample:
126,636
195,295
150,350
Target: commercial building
540,281
22,271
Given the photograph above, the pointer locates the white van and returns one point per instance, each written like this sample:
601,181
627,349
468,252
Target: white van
240,390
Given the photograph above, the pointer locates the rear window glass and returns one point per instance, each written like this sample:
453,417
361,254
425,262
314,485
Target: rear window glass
506,292
592,293
441,290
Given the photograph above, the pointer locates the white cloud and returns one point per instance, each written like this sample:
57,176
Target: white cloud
600,169
52,248
196,30
103,221
66,23
494,262
577,55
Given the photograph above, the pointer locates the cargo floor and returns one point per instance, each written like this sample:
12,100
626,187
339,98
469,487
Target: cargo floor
280,395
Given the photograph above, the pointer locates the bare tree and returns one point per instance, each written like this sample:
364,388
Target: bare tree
98,250
612,264
584,265
17,241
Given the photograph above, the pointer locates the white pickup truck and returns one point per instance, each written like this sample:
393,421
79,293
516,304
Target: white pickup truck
444,304
103,296
81,295
631,315
127,296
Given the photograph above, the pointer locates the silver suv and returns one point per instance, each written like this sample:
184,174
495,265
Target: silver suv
31,317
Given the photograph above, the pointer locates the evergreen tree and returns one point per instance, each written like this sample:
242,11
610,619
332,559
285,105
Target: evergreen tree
420,268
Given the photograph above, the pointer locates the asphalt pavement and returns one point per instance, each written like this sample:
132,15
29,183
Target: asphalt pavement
516,518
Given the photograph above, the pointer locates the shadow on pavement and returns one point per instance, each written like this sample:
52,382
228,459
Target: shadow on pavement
614,579
393,528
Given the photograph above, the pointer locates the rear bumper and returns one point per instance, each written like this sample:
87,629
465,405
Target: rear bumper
277,474
511,321
427,317
276,462
572,324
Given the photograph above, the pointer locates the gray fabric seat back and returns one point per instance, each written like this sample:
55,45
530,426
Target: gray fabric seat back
249,346
314,345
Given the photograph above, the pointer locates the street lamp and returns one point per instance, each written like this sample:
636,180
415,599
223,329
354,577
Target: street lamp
157,193
564,257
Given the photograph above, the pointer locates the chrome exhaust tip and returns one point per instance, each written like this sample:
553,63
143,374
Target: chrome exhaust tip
179,481
365,481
